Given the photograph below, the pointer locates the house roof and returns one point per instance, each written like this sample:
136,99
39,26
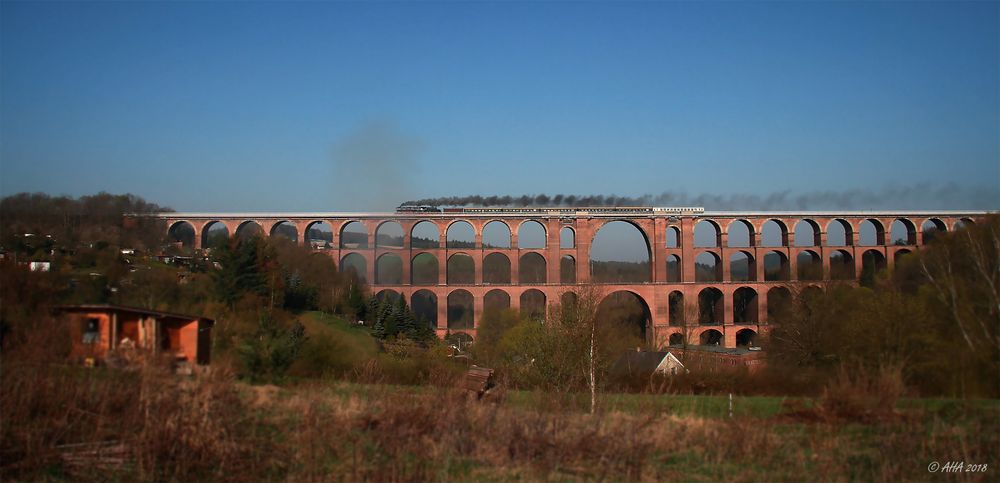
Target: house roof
134,310
636,363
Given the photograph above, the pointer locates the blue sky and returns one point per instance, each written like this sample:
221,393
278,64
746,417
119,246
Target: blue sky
359,106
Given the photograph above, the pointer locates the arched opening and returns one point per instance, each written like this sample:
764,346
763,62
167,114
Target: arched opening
872,262
496,300
902,232
807,233
461,235
673,237
676,308
388,296
774,234
389,270
354,235
567,269
710,306
533,304
319,235
900,255
389,235
531,235
424,270
285,229
496,234
425,235
568,299
776,267
841,265
740,234
807,298
871,233
620,254
625,315
182,232
214,235
707,267
249,229
742,267
461,270
964,223
676,339
496,269
809,265
839,233
424,305
567,238
673,269
745,306
353,264
745,338
931,228
531,269
707,234
710,337
460,310
779,304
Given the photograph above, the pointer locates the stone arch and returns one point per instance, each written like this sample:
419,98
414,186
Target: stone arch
675,308
531,269
708,267
963,223
626,310
707,234
249,229
711,306
496,234
809,265
673,269
461,310
531,235
533,304
710,337
496,269
931,227
285,228
460,234
214,234
354,264
673,236
620,253
567,238
900,255
568,299
742,267
841,265
388,295
388,269
740,234
676,339
461,270
903,232
776,267
389,234
319,235
779,304
807,233
871,233
496,300
872,262
745,306
182,232
353,235
839,233
567,269
425,235
745,338
423,304
424,269
774,233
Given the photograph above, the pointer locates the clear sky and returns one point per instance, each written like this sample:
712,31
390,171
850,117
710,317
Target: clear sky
239,106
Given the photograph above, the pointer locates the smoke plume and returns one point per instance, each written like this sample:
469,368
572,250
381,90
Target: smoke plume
373,164
916,197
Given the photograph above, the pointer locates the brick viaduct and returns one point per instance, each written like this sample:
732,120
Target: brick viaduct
683,301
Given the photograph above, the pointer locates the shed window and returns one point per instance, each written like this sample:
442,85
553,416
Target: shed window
91,335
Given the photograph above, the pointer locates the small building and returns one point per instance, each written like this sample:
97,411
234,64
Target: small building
99,329
707,358
634,365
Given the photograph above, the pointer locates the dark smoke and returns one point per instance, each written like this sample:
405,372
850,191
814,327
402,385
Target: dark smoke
917,197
